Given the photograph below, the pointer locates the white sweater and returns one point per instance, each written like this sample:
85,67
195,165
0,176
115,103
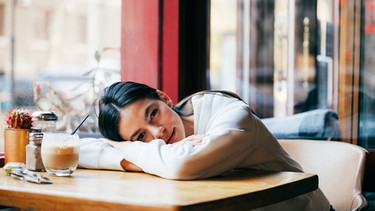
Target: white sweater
235,139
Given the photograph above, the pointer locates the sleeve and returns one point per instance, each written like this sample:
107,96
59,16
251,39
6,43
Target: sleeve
158,158
221,151
99,154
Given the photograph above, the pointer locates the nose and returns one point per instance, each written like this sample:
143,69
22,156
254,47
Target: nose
157,131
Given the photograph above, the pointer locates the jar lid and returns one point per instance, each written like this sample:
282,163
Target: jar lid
44,115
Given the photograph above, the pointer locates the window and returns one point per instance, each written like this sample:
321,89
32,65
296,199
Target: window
288,57
40,24
54,47
279,56
367,84
2,18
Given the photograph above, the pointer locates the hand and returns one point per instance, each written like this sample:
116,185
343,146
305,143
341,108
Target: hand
194,140
128,166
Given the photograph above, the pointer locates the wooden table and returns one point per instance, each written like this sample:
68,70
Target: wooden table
112,190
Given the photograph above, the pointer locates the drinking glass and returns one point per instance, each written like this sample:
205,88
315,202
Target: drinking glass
60,153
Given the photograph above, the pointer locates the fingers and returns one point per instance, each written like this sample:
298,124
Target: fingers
193,140
128,166
195,137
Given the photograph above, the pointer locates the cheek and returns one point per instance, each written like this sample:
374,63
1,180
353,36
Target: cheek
148,138
125,128
181,136
180,129
173,120
123,132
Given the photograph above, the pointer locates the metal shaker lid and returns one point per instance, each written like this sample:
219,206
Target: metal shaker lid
36,135
44,115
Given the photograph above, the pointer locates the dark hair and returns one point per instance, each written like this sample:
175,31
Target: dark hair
115,97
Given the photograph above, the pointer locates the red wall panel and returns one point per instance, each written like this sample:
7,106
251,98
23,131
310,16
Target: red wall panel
149,43
139,41
170,54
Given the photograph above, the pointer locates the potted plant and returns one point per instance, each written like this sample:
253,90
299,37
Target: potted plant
16,135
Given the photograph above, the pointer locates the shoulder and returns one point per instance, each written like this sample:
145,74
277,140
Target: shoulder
217,99
210,94
209,101
215,105
218,93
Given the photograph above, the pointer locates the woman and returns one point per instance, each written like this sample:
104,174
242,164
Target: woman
205,135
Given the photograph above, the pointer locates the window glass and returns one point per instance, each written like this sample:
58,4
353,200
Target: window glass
223,45
58,56
2,14
367,83
278,55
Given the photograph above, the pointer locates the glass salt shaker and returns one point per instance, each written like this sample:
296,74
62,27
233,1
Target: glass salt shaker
33,151
44,120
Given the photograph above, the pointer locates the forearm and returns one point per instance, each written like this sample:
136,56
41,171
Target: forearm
98,154
193,140
158,158
184,161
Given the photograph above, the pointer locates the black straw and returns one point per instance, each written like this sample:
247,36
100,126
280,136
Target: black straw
75,130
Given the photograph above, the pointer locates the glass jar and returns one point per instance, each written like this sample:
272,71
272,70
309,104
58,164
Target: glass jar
45,121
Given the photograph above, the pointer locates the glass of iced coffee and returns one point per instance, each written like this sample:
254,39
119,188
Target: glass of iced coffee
60,153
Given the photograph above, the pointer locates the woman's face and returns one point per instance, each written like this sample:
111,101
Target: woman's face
148,119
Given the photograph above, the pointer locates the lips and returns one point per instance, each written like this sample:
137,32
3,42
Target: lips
171,138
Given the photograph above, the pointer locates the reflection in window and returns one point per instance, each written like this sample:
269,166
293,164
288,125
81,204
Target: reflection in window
277,55
2,19
367,83
40,23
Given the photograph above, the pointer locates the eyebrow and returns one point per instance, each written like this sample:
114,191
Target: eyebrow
147,111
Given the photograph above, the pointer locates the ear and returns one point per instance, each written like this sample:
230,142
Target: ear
165,98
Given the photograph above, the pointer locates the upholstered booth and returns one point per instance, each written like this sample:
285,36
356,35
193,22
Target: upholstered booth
319,124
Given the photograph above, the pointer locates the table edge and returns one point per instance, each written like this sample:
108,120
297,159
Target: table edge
238,202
